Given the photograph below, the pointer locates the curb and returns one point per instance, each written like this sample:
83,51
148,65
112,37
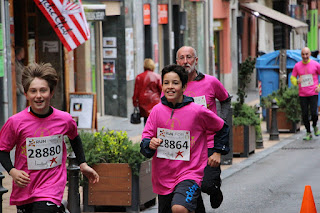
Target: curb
258,156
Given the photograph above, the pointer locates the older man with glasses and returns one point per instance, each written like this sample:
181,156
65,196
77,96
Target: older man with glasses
205,89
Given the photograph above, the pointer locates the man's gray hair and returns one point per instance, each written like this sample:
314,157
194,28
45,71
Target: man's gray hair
194,51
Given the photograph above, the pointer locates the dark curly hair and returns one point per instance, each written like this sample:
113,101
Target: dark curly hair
181,72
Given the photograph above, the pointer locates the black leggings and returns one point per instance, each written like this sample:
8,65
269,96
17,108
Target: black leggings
40,207
312,102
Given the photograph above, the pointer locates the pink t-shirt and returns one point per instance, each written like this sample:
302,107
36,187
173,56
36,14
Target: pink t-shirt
309,72
194,118
46,184
212,89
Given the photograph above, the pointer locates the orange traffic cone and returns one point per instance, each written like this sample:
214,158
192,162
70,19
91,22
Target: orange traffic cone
308,205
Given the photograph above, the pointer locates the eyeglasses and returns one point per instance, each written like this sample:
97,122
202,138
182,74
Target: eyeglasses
188,57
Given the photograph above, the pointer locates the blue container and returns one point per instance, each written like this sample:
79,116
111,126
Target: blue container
267,67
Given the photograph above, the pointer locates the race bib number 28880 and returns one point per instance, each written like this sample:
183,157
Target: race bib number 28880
175,144
44,152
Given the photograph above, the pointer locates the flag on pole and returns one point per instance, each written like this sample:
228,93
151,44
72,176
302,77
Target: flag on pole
67,19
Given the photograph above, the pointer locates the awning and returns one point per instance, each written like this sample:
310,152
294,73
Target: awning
267,12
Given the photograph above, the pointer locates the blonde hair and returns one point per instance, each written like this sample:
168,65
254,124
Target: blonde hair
148,64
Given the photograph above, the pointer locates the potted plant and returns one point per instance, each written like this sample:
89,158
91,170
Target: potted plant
246,124
289,112
125,174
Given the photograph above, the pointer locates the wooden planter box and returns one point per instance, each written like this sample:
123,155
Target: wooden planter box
118,187
244,140
283,123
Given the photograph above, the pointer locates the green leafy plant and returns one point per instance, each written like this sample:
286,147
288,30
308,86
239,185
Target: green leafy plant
109,146
287,100
246,69
244,114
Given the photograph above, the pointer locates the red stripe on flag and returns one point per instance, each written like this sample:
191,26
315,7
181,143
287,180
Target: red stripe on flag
61,22
85,22
53,24
76,23
66,26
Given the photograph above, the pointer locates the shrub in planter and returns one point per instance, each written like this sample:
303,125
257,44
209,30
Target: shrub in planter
109,146
289,112
118,162
246,129
246,124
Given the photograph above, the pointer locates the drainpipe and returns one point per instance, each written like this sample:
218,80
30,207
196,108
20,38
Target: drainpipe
171,33
7,79
209,36
283,68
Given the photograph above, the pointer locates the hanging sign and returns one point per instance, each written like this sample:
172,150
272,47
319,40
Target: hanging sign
162,14
146,14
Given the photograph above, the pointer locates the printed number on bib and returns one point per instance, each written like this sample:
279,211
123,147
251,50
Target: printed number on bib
44,152
201,100
175,144
307,80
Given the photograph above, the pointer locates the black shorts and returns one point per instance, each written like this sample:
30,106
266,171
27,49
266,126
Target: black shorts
41,207
185,194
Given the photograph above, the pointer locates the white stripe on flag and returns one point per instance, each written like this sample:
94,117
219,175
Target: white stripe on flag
72,20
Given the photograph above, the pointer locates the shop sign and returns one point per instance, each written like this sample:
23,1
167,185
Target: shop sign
95,15
162,14
146,14
217,25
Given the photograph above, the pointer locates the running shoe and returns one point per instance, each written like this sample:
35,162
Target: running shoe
308,136
316,131
216,198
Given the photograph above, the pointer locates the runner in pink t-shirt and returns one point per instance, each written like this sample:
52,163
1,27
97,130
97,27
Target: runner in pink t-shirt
37,133
308,71
205,89
175,135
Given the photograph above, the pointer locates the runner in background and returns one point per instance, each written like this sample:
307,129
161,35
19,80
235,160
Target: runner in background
206,89
308,72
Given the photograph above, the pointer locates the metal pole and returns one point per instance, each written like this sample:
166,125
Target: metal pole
135,196
73,192
259,139
274,133
2,190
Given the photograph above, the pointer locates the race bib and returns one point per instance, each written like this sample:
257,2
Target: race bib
307,80
44,152
201,100
175,144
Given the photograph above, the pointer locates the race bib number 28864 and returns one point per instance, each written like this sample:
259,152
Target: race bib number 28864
175,144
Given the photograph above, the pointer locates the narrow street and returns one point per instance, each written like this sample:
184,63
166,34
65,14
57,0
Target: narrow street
275,183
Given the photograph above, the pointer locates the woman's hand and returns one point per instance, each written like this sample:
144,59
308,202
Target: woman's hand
155,143
21,178
89,172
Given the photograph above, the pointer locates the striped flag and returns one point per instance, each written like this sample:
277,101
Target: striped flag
67,19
